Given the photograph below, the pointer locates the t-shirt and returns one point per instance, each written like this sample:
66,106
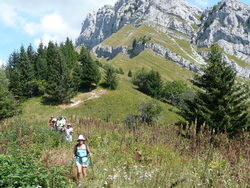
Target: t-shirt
61,122
68,131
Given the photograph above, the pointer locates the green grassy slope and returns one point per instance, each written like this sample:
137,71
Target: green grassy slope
126,35
116,104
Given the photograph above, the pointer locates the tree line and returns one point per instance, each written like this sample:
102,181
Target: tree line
56,72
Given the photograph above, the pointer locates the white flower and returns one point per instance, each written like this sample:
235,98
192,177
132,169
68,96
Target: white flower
110,177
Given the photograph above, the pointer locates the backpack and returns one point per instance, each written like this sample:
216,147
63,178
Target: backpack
86,150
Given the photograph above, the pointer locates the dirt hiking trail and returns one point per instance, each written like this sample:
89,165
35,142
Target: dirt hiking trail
82,98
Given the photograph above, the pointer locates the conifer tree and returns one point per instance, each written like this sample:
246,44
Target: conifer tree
69,53
111,78
90,72
13,73
27,74
59,86
8,105
149,83
41,69
155,84
41,63
220,102
31,55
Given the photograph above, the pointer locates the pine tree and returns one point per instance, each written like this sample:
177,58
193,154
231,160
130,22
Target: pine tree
31,55
41,65
27,74
149,83
41,69
154,84
13,73
219,102
111,78
69,53
60,87
90,72
8,105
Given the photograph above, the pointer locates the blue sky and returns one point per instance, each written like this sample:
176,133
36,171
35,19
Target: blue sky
29,22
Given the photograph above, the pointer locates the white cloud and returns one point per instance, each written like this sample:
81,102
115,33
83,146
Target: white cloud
45,39
48,20
2,63
8,15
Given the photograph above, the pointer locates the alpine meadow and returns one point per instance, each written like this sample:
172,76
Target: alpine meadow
150,94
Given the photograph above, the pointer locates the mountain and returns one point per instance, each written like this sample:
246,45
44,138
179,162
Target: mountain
173,29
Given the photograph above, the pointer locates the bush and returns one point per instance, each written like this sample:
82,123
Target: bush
149,83
130,121
130,73
177,92
111,78
149,111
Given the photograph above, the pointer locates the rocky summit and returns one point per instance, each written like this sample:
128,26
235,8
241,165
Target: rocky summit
227,23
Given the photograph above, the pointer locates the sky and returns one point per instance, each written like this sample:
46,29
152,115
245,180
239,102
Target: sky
24,22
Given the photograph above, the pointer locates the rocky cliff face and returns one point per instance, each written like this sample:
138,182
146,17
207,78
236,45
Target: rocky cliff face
227,23
170,15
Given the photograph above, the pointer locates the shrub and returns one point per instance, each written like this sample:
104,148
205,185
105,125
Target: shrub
149,111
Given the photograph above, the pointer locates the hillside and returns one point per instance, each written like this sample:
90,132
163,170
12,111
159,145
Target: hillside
114,105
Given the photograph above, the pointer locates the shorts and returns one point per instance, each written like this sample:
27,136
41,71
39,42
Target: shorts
83,164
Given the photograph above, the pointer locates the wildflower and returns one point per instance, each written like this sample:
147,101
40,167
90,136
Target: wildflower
136,167
116,176
110,177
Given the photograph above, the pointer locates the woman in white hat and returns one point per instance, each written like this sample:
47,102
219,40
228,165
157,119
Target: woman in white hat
81,153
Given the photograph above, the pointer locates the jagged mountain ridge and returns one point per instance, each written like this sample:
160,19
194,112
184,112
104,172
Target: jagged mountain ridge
177,19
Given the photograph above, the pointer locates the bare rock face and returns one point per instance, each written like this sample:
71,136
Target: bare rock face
177,15
227,23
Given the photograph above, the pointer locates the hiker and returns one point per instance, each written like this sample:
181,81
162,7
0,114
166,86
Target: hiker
81,153
66,120
68,132
52,122
60,123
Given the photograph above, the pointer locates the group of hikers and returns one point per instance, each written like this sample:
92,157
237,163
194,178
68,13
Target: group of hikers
81,151
61,124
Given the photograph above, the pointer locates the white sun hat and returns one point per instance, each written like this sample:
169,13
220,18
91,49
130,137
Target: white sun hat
80,137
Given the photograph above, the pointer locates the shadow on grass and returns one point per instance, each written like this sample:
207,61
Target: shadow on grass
46,100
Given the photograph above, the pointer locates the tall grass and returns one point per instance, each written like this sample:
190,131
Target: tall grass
143,156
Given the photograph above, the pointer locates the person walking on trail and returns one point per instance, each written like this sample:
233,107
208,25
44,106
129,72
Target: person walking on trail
68,132
60,123
52,122
81,154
